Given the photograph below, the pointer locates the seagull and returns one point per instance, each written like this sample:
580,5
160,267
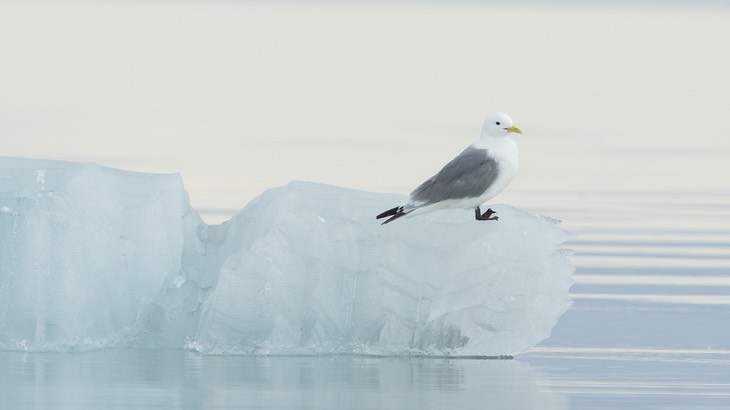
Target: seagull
478,174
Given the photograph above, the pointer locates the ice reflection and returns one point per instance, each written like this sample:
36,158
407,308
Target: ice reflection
180,379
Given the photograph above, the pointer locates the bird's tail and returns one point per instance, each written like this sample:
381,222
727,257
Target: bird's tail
393,213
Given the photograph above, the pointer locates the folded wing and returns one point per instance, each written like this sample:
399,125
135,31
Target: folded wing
468,175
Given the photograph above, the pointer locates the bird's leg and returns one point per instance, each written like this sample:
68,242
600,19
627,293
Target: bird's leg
486,216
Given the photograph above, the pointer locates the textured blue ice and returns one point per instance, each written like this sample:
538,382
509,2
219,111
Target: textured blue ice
94,257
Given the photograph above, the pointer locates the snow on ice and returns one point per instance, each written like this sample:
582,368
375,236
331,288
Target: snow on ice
94,257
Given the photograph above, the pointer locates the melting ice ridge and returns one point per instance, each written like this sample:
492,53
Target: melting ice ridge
94,257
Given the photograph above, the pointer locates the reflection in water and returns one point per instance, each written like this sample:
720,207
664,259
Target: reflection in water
180,379
638,377
659,298
649,325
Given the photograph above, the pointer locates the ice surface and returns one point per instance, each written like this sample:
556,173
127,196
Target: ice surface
93,257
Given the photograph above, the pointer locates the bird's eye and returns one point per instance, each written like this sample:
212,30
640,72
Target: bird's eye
498,123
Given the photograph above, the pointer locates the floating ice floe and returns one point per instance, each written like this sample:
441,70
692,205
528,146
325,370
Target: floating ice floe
94,257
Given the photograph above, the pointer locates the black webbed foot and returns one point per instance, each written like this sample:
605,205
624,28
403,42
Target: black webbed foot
486,216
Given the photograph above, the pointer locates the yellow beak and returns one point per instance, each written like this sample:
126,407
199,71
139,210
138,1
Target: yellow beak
514,129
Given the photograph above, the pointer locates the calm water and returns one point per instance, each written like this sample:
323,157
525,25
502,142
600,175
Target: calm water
626,140
652,304
176,379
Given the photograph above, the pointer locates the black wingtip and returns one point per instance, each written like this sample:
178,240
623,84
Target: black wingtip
390,212
394,217
393,213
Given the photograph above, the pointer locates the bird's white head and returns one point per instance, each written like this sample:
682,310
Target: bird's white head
498,124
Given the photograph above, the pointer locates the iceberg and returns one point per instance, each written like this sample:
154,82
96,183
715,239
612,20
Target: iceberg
95,257
83,249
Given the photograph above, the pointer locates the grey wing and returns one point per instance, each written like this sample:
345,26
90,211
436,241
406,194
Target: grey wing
468,175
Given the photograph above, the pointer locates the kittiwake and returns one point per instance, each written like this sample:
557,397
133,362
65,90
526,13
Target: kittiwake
478,174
